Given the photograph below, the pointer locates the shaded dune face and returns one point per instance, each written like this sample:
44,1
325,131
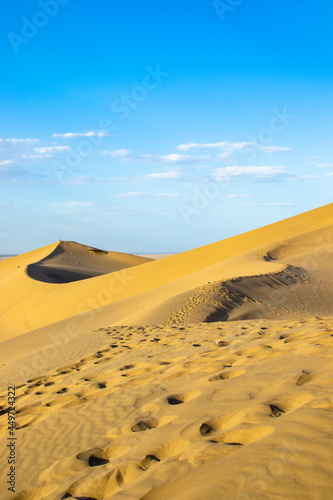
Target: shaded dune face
50,274
303,288
71,261
245,297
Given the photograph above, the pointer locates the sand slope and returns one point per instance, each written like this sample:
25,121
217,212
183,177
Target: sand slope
223,392
38,304
208,411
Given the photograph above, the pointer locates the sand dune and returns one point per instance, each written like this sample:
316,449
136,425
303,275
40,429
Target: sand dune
304,288
71,261
30,304
205,375
32,282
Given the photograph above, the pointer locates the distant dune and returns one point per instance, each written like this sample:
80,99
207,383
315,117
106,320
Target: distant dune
204,375
3,257
71,261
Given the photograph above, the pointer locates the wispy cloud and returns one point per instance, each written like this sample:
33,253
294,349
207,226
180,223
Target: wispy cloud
248,172
238,196
228,148
118,153
219,145
273,149
316,176
171,158
90,133
6,162
324,165
137,211
136,194
19,141
31,156
88,179
268,204
51,149
170,174
71,207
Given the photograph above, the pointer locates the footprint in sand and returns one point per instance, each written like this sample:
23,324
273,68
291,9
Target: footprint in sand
304,377
95,461
148,461
175,400
227,374
276,411
126,367
286,404
206,429
144,425
245,436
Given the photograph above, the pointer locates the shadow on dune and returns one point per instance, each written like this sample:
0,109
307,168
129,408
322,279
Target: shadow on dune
71,261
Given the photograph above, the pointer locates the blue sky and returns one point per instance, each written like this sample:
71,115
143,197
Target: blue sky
161,125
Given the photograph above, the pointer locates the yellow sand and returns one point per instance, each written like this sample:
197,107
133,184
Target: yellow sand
202,375
30,304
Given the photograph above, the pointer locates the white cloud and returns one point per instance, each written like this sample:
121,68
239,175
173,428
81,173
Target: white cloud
248,171
51,149
230,147
71,207
269,204
190,145
171,158
135,194
35,157
238,195
77,180
137,210
171,174
6,162
316,176
91,133
19,141
118,153
324,165
273,149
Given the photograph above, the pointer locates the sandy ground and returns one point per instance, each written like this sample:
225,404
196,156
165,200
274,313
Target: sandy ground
207,375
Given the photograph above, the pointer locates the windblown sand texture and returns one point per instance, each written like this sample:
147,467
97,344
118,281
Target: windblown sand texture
202,375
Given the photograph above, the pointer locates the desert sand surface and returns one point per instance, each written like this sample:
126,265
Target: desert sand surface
201,375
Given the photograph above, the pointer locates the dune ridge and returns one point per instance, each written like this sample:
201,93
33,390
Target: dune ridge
180,273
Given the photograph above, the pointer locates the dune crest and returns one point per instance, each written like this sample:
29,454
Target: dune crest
71,261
